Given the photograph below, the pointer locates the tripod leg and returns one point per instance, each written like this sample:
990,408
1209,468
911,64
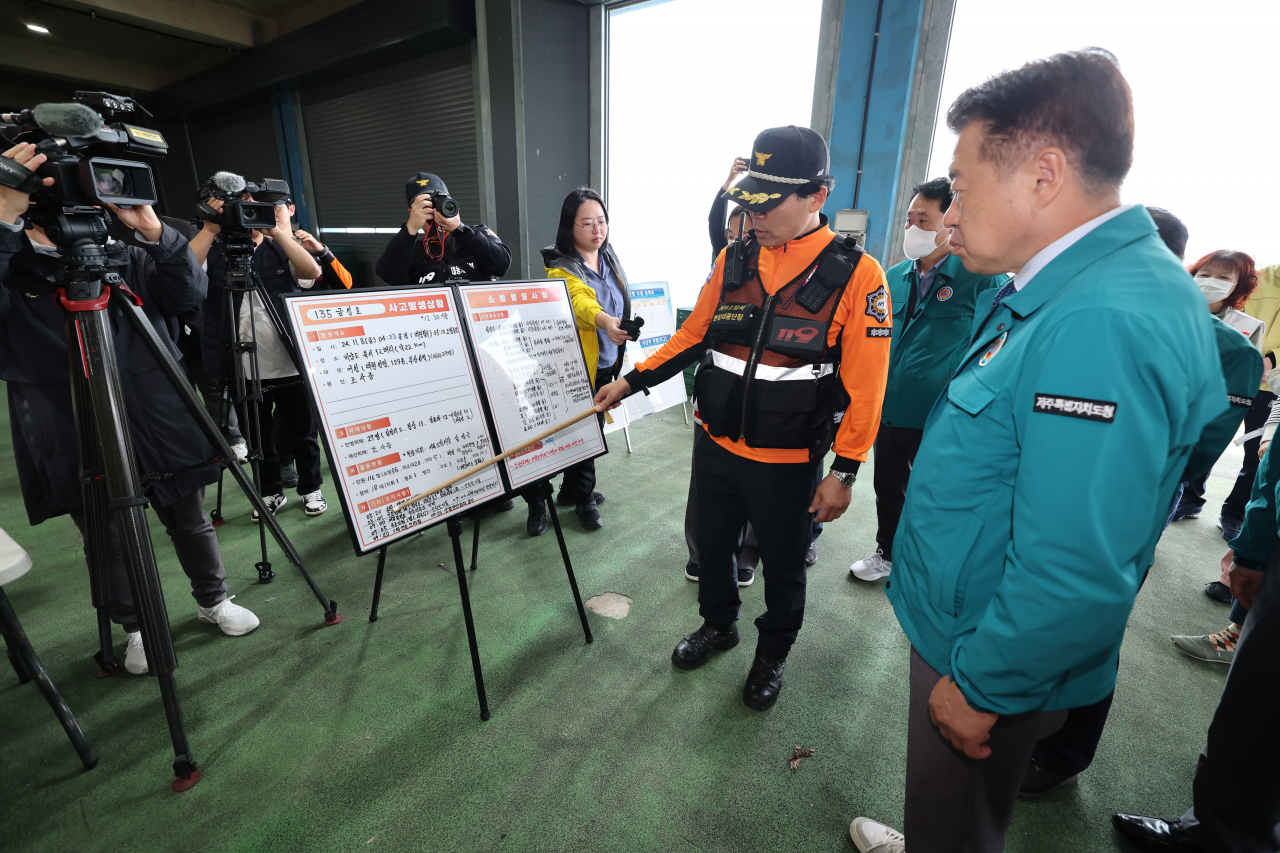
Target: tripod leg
455,533
215,517
568,567
93,493
127,502
18,642
174,373
475,542
377,584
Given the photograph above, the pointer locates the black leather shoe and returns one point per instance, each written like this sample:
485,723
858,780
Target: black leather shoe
764,683
495,508
589,516
538,520
696,648
1218,591
598,497
1040,780
1152,833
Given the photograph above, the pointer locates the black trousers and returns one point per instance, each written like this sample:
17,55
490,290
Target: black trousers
1236,792
896,449
1233,506
580,478
774,497
286,400
1070,749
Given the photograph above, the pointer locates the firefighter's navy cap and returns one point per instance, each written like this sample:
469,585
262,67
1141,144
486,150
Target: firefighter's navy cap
423,182
782,160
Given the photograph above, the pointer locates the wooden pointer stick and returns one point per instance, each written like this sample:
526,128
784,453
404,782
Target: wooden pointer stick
474,468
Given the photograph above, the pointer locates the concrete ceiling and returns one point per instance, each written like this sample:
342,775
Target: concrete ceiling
135,46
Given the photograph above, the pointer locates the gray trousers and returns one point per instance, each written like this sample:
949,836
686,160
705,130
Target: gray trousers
1237,786
957,804
196,545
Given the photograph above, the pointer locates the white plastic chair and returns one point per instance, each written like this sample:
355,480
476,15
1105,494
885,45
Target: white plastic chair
14,563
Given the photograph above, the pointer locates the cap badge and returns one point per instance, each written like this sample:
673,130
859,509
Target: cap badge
422,183
760,158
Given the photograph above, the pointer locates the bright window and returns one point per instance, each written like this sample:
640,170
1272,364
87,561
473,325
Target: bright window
691,82
1204,93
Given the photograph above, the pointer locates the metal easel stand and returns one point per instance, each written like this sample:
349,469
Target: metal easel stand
454,526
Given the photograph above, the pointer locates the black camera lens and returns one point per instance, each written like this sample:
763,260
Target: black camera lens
448,208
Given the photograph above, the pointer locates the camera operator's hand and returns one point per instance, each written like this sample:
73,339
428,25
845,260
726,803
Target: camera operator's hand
283,230
420,213
612,327
13,203
449,224
739,166
311,244
212,227
140,218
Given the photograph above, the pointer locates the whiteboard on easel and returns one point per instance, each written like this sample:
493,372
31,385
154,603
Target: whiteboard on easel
534,373
399,404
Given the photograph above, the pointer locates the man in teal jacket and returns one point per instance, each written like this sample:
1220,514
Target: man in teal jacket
1049,461
933,298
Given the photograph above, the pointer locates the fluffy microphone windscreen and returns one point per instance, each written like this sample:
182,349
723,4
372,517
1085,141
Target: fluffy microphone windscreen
228,182
67,119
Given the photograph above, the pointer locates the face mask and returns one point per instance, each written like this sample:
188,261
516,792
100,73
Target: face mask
917,242
1214,289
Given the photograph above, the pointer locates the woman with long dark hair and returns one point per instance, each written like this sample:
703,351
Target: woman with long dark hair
597,283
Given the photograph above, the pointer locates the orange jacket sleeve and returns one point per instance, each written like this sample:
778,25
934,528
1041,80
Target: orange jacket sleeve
688,343
864,364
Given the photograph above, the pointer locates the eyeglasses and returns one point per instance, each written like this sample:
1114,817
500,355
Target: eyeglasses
592,224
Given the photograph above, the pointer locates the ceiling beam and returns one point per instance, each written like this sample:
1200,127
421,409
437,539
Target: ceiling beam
199,20
63,64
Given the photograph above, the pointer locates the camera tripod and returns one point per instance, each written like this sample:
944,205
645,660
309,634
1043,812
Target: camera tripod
242,282
111,486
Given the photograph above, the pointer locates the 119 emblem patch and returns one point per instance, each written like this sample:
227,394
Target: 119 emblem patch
878,304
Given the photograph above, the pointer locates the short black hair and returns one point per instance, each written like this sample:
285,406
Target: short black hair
569,212
938,189
806,190
1172,231
1078,100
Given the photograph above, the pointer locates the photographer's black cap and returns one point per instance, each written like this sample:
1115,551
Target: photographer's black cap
782,160
423,182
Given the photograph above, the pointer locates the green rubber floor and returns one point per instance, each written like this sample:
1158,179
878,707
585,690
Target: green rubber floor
367,737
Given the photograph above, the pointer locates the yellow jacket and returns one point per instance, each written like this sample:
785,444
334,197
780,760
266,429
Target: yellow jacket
1264,305
585,303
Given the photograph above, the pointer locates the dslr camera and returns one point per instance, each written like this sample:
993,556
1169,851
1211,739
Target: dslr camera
445,203
239,215
83,153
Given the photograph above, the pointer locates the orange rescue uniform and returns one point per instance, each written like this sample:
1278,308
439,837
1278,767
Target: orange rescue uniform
864,363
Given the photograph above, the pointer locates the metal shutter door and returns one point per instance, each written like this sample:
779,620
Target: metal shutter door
243,142
367,135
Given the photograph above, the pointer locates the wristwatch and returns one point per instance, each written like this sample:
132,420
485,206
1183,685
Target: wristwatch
844,478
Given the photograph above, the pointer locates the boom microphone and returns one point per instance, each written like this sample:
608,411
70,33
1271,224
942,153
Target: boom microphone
67,119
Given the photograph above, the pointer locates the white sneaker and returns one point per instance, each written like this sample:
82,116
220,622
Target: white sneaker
273,502
234,620
313,503
241,450
871,837
871,569
135,658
